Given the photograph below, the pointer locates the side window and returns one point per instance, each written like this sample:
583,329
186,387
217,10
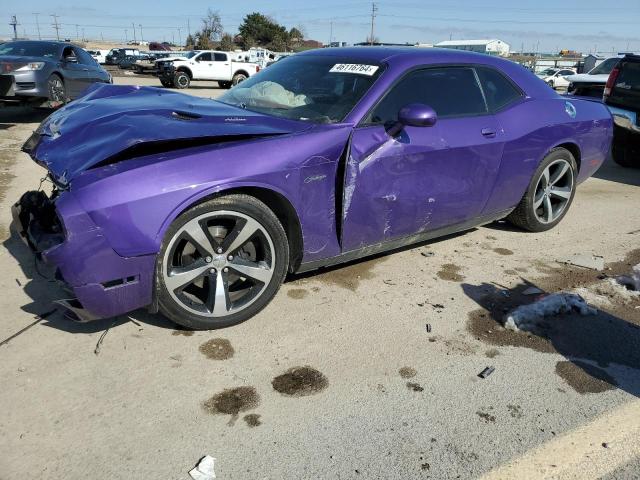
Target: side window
83,57
219,57
450,91
204,57
498,91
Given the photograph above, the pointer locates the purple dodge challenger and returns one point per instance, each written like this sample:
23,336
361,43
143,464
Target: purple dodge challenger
198,208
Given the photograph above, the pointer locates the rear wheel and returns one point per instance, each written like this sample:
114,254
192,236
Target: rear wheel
181,80
550,193
238,78
224,84
221,263
166,83
625,152
56,89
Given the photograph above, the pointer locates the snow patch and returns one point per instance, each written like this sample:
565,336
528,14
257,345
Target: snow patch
528,317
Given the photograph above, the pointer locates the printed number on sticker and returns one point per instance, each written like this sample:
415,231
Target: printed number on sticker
354,68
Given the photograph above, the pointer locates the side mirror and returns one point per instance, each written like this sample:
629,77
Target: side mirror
417,115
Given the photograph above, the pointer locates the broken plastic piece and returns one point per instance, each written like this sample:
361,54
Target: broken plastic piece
528,317
428,327
594,262
631,282
486,372
427,254
204,469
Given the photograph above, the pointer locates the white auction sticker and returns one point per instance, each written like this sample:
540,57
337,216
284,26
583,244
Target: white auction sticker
358,68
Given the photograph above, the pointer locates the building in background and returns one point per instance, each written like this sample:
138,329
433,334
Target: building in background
491,46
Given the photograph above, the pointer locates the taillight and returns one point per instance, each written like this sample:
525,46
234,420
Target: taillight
610,82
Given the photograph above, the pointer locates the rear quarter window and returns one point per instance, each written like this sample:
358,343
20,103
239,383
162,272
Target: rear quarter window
499,91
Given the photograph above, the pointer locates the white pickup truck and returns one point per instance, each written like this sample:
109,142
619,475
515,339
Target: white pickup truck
204,65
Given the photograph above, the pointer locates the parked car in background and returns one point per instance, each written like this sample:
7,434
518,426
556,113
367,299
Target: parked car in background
116,55
128,62
556,77
591,84
198,208
622,96
148,64
38,71
100,56
205,65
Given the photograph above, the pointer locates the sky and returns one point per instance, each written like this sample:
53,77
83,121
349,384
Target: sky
540,25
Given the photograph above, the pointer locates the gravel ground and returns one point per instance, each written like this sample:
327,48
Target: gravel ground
338,377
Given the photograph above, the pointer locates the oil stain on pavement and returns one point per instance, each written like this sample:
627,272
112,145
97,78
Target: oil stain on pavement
350,277
252,420
416,387
232,401
297,293
300,382
217,349
407,372
450,272
503,251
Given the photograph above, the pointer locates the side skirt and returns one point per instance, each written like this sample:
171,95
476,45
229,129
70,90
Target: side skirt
401,242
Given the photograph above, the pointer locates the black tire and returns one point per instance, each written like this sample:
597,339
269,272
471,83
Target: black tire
224,84
181,80
238,78
625,152
243,205
166,83
56,89
524,215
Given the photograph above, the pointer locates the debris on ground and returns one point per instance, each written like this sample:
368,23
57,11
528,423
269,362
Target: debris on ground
594,262
486,372
428,327
631,282
532,291
101,339
204,469
427,254
528,317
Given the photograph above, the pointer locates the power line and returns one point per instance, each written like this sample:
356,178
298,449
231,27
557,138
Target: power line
38,25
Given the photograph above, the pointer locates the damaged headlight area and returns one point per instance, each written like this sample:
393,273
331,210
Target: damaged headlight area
37,221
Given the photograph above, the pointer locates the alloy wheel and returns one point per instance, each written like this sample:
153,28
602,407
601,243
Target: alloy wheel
56,89
218,263
553,191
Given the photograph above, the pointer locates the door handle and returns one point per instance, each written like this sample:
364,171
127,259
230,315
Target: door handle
488,132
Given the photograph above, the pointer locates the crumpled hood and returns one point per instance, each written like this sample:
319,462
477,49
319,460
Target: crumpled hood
109,119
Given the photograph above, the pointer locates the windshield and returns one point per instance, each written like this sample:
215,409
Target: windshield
309,88
605,67
190,54
30,49
547,72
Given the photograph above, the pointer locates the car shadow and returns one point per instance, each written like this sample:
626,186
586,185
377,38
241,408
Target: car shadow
601,351
43,290
11,116
615,173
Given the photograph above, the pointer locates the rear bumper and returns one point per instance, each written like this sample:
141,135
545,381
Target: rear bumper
104,283
625,119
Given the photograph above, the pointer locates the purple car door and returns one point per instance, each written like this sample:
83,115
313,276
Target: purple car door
422,178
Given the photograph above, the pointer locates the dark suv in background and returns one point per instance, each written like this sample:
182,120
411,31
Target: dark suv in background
622,96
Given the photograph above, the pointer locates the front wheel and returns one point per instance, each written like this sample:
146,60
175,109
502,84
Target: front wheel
166,83
549,194
221,263
625,152
224,84
181,80
56,89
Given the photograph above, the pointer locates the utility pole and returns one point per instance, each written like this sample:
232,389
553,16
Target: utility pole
141,37
179,36
126,37
38,25
77,34
14,24
134,32
188,28
374,9
330,33
55,25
